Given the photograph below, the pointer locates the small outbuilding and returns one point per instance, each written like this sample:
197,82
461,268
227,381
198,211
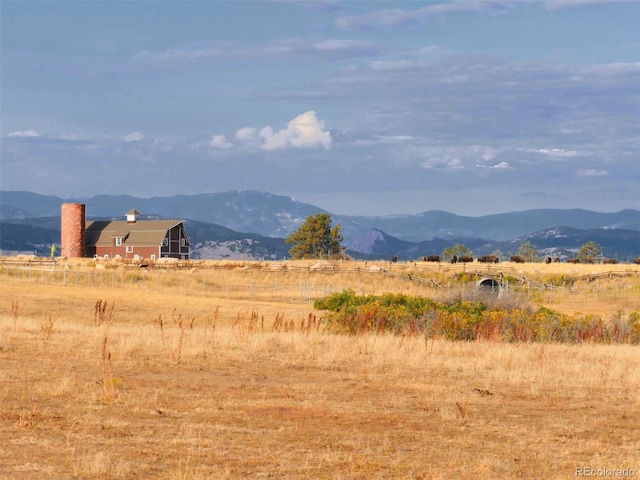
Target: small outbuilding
135,238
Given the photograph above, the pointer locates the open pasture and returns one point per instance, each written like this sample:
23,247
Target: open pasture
204,373
568,288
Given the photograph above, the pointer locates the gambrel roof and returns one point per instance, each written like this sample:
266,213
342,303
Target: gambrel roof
142,232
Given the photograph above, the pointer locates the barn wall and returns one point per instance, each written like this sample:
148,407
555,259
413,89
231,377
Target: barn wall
142,251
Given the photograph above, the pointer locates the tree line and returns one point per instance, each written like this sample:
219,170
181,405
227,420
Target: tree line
318,239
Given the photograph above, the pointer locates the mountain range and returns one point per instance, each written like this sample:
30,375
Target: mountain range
251,224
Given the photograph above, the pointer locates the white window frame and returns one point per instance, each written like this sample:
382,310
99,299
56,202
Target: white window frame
118,241
129,248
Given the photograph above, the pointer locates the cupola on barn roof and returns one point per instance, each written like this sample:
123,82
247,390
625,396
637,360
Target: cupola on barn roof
133,216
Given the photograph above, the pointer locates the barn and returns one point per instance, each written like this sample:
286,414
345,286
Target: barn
135,238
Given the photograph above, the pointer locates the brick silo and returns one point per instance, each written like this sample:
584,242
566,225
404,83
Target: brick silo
72,230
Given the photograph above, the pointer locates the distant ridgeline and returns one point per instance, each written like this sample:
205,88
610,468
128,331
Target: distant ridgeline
250,224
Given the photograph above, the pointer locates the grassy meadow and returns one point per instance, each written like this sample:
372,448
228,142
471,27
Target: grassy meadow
225,370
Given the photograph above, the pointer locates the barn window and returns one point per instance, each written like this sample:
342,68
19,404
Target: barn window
129,248
165,242
118,241
183,242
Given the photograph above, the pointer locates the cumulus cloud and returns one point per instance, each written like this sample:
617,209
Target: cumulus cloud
591,172
220,141
133,137
24,134
247,133
304,131
455,164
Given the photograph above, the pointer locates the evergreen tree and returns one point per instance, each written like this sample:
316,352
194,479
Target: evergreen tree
316,238
589,252
528,252
459,250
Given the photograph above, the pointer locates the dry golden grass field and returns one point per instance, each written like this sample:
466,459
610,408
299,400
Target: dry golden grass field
110,372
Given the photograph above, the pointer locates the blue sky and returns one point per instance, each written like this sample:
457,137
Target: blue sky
369,108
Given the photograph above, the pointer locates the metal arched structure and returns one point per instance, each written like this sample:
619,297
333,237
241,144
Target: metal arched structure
491,284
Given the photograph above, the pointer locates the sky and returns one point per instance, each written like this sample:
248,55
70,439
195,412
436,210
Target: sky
372,108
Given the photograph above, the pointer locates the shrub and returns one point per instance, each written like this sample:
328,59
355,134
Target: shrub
466,320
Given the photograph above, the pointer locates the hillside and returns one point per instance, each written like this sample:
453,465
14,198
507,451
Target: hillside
250,224
277,216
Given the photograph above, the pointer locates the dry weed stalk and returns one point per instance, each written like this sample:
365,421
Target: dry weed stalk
103,312
247,324
108,381
46,329
160,322
14,312
210,322
25,420
182,324
278,322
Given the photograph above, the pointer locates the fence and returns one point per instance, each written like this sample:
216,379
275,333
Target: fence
276,282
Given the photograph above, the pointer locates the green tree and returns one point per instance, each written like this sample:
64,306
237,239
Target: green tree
498,254
528,251
589,252
316,238
459,250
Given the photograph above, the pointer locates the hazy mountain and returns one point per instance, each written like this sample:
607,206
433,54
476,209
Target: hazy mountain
207,240
566,241
278,216
217,242
378,244
243,211
250,223
502,226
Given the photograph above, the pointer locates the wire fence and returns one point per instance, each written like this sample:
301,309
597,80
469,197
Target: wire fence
160,282
262,282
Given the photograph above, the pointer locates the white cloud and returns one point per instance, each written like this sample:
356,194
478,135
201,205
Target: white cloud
246,133
591,172
455,164
304,131
220,141
392,138
399,65
24,134
502,166
395,17
559,4
133,137
554,152
497,166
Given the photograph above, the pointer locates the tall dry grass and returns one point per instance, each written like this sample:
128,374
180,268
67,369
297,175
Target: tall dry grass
175,386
